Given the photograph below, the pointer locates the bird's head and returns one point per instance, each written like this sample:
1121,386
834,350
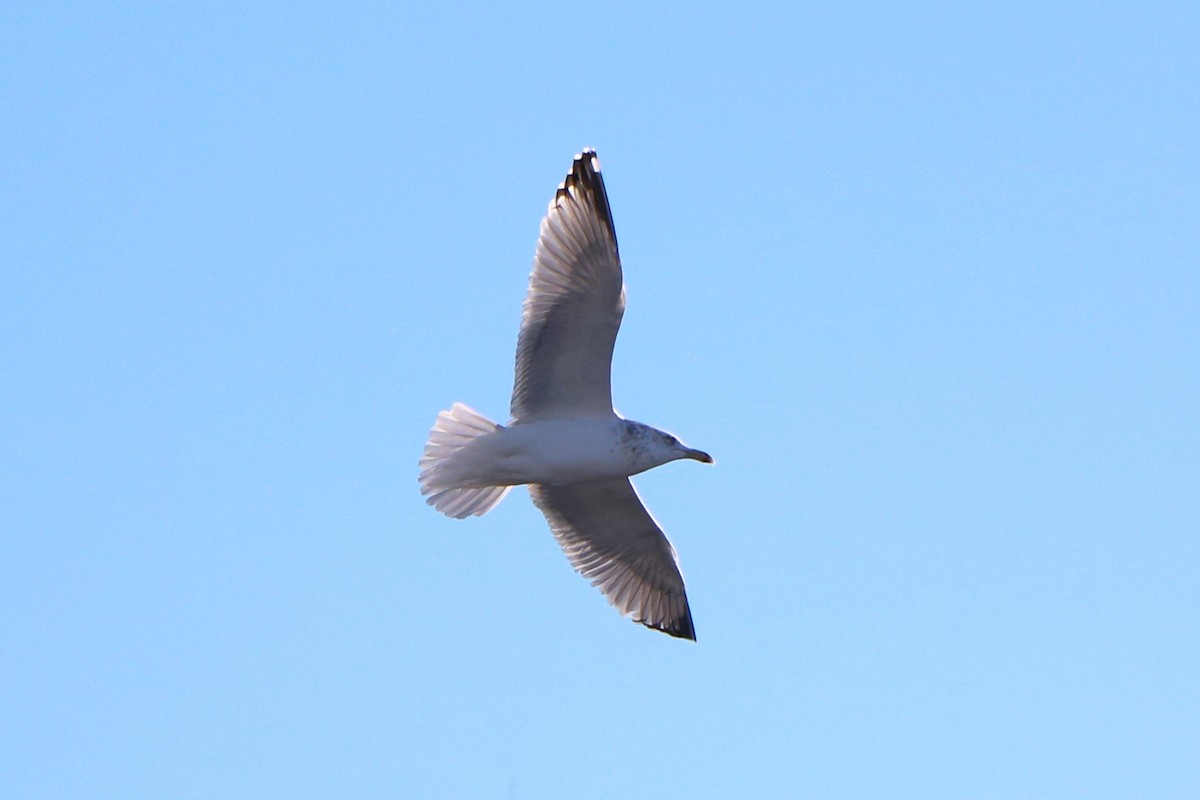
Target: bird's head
652,447
681,450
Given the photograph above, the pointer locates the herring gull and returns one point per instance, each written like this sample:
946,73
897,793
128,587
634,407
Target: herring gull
565,440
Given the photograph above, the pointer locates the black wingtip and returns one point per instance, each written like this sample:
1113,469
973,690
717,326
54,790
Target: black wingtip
681,628
585,174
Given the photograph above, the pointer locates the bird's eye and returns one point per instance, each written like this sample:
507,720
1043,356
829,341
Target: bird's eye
671,439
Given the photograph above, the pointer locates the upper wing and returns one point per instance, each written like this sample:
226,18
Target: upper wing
610,537
574,304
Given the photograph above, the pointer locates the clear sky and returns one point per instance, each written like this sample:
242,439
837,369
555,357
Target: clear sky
924,279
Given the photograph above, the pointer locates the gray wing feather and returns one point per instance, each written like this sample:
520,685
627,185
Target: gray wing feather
574,304
611,539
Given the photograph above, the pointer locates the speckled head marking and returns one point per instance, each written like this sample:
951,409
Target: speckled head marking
634,436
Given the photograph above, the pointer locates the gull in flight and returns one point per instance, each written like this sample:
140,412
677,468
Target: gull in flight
565,440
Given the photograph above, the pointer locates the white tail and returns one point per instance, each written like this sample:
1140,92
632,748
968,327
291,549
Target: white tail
442,474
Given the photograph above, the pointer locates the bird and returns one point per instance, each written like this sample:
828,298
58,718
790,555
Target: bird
564,439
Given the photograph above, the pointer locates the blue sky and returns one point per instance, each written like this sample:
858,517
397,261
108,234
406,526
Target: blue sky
925,281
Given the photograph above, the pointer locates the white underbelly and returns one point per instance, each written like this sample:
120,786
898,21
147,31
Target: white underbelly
554,451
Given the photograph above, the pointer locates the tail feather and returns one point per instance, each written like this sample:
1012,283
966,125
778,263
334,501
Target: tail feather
442,480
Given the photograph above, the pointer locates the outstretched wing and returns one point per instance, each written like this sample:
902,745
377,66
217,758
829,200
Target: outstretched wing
574,305
611,539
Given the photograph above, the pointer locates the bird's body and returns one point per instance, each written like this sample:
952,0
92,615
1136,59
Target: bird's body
559,451
565,440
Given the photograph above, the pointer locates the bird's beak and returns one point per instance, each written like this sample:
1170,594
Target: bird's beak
699,455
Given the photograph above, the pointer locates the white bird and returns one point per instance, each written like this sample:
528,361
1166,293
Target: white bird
565,440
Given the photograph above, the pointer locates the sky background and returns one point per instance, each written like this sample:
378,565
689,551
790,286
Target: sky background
925,280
